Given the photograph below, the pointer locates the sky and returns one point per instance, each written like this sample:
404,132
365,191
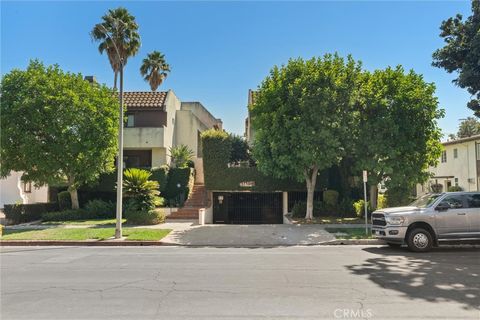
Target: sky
218,50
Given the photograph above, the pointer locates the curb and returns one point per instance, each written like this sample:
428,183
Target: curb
126,243
92,243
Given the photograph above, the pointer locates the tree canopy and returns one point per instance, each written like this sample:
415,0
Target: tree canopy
468,127
56,126
310,115
301,118
398,137
461,53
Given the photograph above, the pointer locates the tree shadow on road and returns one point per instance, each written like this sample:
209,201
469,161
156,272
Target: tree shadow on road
445,274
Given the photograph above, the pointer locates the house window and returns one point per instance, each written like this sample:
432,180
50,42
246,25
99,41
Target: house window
455,153
456,182
130,120
27,187
444,156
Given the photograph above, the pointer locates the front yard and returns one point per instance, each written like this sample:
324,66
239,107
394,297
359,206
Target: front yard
80,233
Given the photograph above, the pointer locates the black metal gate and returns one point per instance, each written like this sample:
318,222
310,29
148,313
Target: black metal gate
247,208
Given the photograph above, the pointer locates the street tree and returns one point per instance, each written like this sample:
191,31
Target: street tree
301,118
118,36
397,136
56,126
461,53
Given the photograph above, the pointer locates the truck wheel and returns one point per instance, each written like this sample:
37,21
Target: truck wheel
394,245
419,240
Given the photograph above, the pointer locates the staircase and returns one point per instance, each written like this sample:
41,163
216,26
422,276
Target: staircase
196,201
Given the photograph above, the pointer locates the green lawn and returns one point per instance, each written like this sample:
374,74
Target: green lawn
350,233
91,222
84,234
329,220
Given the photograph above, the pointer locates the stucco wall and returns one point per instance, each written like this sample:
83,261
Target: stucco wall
172,105
463,168
11,191
159,157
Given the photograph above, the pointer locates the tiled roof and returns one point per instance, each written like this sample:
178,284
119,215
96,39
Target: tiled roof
144,99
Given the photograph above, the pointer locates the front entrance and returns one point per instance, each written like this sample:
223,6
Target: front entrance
247,208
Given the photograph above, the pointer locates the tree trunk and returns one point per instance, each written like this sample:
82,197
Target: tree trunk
373,196
311,179
115,80
74,197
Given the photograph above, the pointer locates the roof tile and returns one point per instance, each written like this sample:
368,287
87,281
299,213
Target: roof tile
144,99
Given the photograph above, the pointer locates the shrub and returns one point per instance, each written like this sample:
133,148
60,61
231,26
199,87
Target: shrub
345,208
100,209
64,200
359,207
173,193
144,217
319,209
382,201
70,214
180,156
454,188
20,213
141,192
330,197
160,175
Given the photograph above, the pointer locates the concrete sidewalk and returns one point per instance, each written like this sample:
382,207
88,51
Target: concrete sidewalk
247,235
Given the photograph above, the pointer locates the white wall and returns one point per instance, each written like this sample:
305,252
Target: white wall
172,104
11,191
464,167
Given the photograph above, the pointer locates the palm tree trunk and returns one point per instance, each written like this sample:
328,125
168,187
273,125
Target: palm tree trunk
115,80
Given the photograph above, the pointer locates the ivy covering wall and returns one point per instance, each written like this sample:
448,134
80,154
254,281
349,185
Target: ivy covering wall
217,149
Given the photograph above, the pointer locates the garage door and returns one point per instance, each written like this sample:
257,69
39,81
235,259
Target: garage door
247,208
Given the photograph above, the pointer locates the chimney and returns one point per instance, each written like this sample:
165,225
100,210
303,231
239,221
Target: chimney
91,79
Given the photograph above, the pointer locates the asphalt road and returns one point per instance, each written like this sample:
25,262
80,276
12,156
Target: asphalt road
329,282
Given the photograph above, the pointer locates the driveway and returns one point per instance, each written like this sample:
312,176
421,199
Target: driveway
247,235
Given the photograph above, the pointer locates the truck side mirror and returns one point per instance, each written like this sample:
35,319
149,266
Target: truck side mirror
442,206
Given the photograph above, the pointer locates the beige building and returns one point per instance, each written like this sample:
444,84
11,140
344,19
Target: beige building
157,121
459,165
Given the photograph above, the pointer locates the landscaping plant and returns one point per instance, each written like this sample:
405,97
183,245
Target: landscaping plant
181,156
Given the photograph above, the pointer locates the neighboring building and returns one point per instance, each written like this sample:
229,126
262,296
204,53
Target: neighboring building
249,132
157,121
14,190
459,165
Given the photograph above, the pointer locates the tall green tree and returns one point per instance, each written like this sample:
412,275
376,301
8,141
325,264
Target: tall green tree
397,136
461,52
301,118
56,127
154,69
117,31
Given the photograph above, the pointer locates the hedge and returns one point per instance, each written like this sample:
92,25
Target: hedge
20,213
217,149
160,175
174,195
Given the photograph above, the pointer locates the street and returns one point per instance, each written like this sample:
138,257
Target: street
316,282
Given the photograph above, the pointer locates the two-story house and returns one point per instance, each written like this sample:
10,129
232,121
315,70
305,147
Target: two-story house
459,166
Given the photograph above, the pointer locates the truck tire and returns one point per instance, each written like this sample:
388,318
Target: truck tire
419,240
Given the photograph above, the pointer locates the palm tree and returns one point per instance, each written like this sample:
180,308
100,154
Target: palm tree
119,38
154,69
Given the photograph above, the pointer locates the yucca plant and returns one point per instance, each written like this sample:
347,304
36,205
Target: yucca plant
180,156
141,192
